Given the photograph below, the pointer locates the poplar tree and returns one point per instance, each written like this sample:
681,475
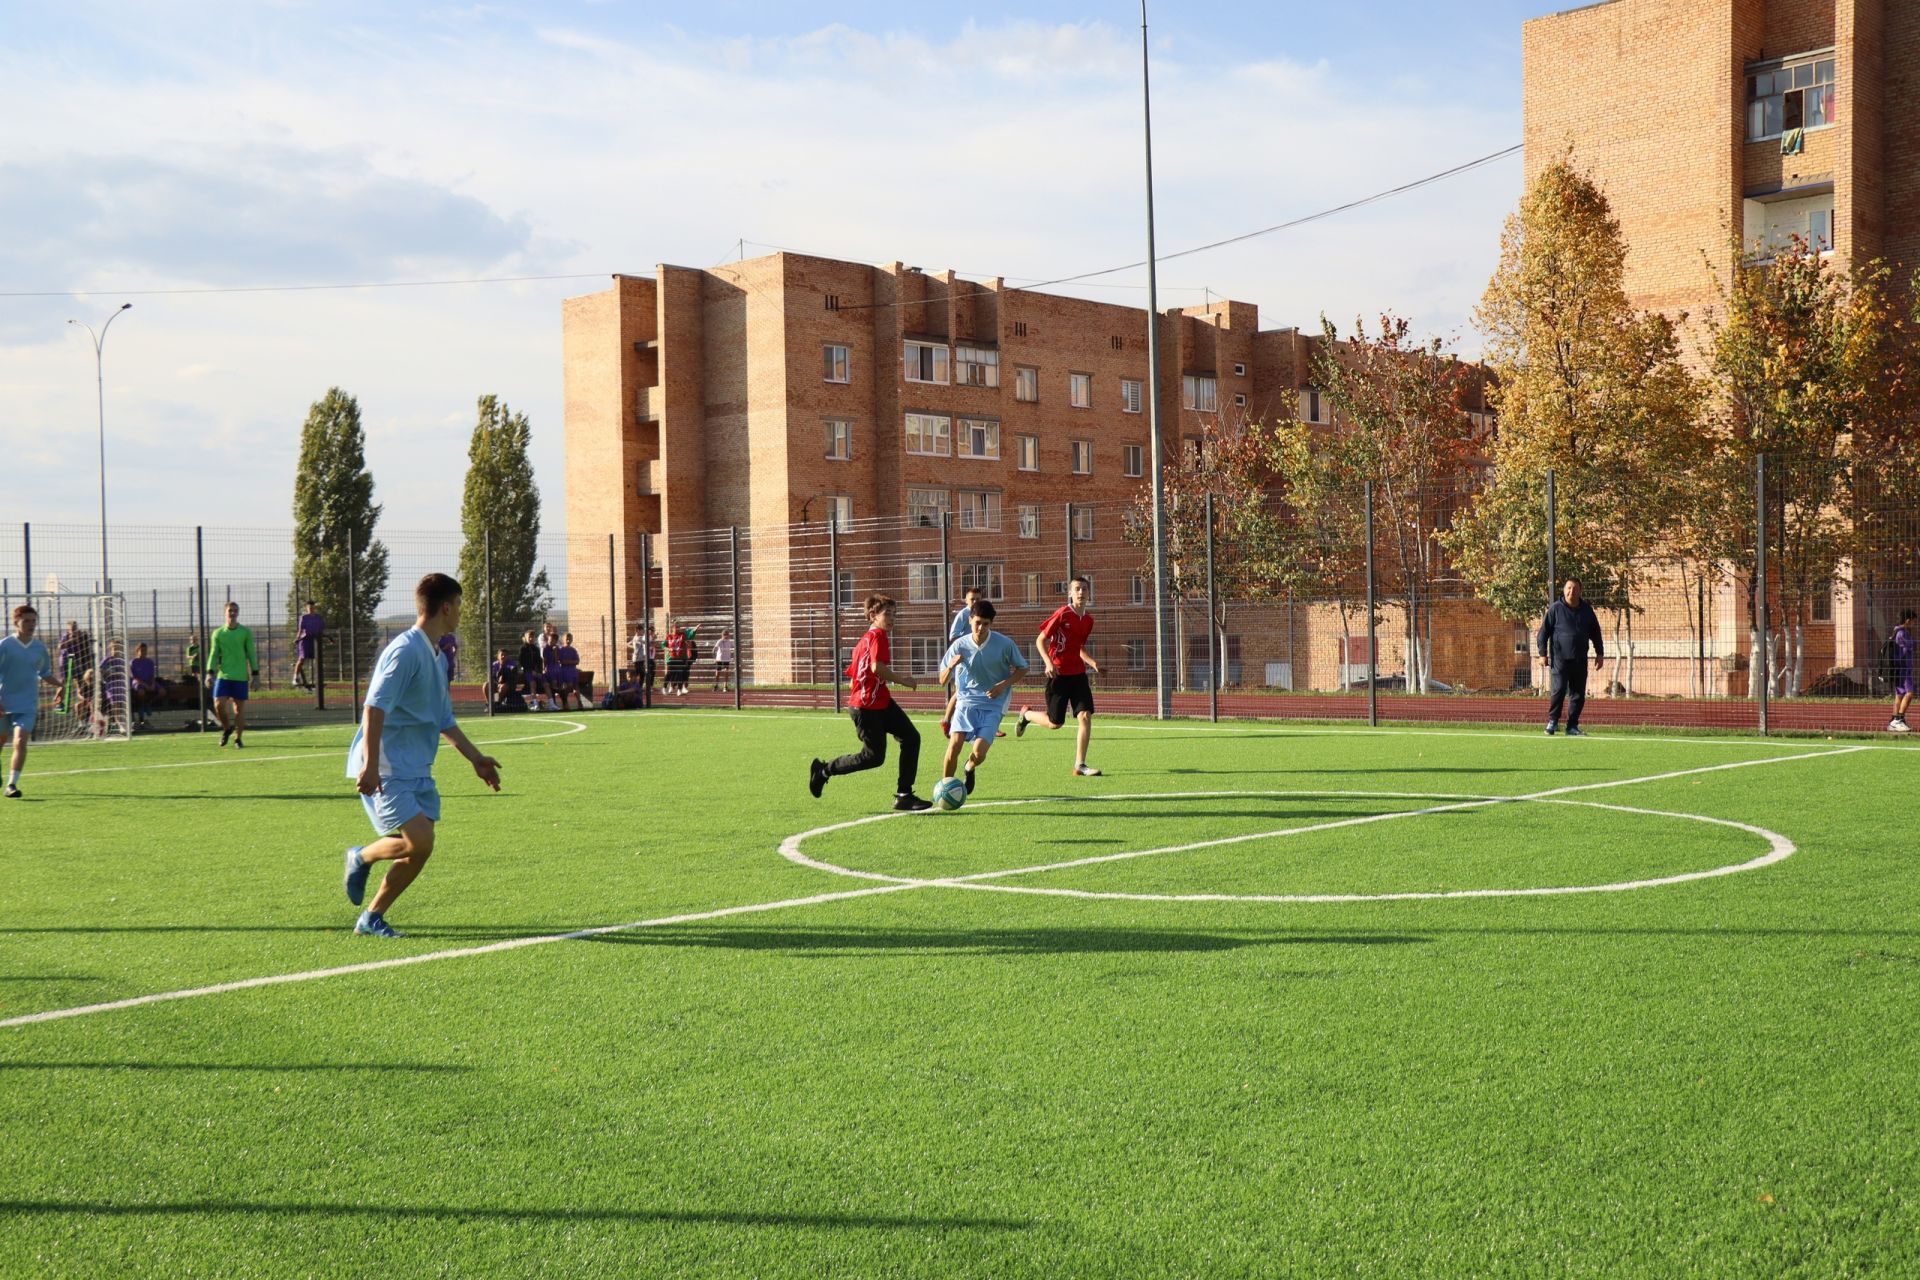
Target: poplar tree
332,501
500,501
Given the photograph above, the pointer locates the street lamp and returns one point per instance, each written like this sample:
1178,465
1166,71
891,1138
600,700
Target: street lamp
100,392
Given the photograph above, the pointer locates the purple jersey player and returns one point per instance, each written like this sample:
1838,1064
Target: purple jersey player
450,653
306,645
1901,644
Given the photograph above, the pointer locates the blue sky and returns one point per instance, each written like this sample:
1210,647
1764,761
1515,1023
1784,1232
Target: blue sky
237,144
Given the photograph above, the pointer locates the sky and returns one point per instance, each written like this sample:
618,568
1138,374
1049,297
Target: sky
235,144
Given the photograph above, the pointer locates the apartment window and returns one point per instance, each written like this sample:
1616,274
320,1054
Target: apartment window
1137,654
1026,383
840,511
1132,461
1137,590
1240,400
1130,395
989,578
1083,527
925,653
1823,606
1027,451
979,438
924,585
926,506
1083,457
1239,371
1030,588
1019,328
839,439
1313,406
1029,522
1791,95
980,509
1080,390
1196,450
832,301
1772,225
976,366
839,361
1200,391
930,434
924,361
846,588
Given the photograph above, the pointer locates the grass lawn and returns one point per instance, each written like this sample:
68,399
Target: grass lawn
1160,1065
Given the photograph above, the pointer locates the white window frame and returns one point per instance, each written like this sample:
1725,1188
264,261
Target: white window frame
1026,452
915,361
843,362
976,366
925,506
1082,453
1028,515
1132,397
1030,587
920,574
925,653
920,425
1755,112
1137,590
840,510
978,510
846,589
989,575
839,439
1239,370
1137,653
1314,407
990,449
1133,461
1200,391
1083,531
1026,383
1080,390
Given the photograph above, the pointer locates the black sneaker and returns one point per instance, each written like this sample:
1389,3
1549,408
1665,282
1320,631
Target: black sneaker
817,777
969,779
12,792
238,741
224,735
907,802
1575,731
1552,729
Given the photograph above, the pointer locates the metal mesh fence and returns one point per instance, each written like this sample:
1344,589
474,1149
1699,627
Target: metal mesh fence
1267,606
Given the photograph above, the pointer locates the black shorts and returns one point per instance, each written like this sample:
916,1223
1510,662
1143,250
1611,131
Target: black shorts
1068,696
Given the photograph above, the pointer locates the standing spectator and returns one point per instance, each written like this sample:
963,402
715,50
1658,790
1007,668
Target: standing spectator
650,649
76,654
306,644
145,686
723,662
532,669
1569,627
635,656
676,659
450,654
111,704
1902,645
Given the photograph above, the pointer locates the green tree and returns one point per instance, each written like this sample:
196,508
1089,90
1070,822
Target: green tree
332,503
501,502
1324,540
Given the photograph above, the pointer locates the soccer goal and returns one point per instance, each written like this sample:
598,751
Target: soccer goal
86,636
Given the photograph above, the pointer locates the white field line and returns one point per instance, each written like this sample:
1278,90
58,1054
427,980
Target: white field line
891,886
298,755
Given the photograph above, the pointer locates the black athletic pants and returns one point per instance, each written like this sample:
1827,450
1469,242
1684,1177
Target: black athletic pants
874,727
1570,687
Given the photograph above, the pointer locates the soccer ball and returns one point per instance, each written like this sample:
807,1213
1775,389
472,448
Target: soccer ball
949,794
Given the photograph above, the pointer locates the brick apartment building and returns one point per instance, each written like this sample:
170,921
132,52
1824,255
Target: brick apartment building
1710,119
789,389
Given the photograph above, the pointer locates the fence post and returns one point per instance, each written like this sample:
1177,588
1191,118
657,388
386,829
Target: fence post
353,646
26,547
1070,558
613,616
1213,634
1553,586
833,606
319,656
269,633
486,610
1373,692
946,571
200,586
1764,673
739,644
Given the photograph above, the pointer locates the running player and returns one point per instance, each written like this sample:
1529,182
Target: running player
1063,648
232,667
982,665
306,645
409,709
25,665
876,716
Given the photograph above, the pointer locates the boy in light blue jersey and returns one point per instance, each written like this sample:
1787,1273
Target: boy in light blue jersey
961,625
982,665
409,709
25,665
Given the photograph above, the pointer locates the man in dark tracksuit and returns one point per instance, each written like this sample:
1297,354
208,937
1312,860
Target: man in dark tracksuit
1570,625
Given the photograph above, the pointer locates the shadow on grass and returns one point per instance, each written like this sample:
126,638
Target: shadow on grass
1335,773
203,797
50,977
424,1067
712,1217
986,942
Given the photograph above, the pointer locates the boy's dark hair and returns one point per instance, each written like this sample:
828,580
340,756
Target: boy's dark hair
433,593
22,610
970,591
1082,579
878,602
1906,616
313,604
983,609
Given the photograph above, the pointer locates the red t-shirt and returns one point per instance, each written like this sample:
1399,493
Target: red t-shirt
869,691
1066,635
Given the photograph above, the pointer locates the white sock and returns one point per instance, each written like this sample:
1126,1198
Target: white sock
13,779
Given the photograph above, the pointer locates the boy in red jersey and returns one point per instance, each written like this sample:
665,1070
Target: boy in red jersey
875,714
1062,643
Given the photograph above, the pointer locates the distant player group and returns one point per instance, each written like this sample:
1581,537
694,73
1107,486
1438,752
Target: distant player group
980,667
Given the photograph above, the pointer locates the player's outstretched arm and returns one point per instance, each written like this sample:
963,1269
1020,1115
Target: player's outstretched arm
485,767
887,674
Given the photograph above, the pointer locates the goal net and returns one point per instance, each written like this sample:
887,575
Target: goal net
86,637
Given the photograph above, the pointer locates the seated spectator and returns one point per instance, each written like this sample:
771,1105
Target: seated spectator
503,684
531,668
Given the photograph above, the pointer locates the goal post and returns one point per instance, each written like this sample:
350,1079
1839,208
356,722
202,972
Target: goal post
86,637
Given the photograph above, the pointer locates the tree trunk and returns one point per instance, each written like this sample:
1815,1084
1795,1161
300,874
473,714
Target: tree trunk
1756,665
1626,683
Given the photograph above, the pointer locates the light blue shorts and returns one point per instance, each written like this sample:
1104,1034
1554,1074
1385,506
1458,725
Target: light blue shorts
399,801
979,723
23,720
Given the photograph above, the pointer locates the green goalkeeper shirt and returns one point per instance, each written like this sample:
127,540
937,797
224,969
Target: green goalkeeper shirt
230,656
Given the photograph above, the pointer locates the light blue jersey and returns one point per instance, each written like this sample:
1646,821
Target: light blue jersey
21,668
409,684
962,624
983,666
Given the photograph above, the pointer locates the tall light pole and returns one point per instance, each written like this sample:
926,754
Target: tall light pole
1163,690
100,394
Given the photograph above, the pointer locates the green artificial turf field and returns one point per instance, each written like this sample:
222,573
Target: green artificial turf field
1177,1064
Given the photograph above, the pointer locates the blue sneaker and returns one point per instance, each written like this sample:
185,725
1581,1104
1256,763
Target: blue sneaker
1575,731
375,926
357,871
